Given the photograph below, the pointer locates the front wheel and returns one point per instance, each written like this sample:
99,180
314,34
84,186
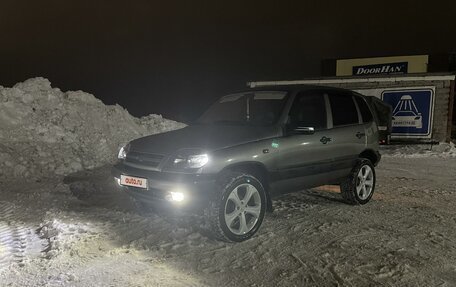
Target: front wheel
359,187
238,208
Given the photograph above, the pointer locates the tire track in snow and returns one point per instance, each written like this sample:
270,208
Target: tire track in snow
18,242
6,234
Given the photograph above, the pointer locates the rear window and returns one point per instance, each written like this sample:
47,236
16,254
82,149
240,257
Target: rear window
383,111
364,109
344,111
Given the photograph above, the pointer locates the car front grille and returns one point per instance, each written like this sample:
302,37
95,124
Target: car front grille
144,159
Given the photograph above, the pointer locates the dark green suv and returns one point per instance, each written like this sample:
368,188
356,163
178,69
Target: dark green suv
253,145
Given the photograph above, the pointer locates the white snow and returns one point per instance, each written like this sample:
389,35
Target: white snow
441,150
44,131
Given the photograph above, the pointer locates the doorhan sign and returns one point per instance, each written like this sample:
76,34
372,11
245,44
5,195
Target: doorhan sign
412,111
378,69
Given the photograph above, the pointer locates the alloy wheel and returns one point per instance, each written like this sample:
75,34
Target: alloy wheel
242,208
365,182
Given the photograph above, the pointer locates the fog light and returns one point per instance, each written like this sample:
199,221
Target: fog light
177,196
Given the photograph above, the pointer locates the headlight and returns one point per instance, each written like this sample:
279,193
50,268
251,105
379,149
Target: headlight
197,161
191,161
123,152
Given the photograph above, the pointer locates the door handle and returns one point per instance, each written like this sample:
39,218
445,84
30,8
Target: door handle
360,135
325,140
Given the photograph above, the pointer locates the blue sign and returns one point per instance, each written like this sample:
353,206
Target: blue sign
412,111
378,69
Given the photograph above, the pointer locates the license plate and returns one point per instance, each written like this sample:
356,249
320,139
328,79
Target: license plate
133,181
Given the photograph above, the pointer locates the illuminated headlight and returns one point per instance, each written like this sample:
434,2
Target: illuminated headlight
197,161
122,152
192,161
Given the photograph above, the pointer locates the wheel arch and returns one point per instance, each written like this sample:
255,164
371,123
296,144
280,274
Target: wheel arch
256,169
371,155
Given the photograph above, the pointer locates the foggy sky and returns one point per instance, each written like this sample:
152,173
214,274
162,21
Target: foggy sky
176,57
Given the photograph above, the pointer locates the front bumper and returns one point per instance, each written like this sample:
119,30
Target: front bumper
197,188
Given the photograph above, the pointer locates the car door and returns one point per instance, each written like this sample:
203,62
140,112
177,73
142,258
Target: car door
305,153
348,134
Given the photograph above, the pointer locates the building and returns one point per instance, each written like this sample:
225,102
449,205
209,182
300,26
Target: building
433,63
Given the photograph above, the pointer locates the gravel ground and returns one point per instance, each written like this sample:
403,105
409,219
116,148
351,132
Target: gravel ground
403,237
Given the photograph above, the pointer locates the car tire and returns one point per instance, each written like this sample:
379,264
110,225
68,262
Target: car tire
237,209
359,186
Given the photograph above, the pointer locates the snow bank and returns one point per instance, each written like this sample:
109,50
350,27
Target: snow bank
443,150
44,131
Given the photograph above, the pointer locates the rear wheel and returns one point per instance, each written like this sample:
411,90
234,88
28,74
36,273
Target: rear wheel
237,211
359,187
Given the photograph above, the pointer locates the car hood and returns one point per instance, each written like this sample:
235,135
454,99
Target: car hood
205,137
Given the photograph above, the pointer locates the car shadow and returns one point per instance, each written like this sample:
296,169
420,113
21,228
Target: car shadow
327,192
97,187
319,196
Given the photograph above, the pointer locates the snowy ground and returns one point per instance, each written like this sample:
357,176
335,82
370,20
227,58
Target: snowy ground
403,237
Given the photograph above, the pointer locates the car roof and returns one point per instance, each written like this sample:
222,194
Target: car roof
299,88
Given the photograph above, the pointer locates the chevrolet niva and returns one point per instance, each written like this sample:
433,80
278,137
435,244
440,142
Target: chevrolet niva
251,146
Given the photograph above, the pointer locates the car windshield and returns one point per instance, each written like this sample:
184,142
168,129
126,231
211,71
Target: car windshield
259,108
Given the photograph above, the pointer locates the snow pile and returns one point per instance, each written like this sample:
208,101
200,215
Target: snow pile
444,150
45,131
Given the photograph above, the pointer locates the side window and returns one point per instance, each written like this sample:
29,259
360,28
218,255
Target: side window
309,110
343,108
364,109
